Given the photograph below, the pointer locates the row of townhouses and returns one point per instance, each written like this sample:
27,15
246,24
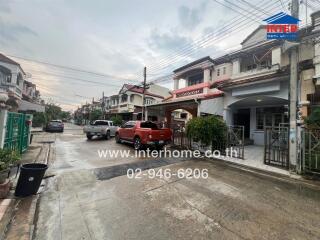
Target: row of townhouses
127,103
248,87
19,93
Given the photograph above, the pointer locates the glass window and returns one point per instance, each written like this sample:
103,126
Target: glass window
149,125
130,124
195,79
270,117
124,98
218,72
260,119
224,70
277,119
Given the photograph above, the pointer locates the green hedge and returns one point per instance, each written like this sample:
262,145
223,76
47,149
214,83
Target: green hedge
207,130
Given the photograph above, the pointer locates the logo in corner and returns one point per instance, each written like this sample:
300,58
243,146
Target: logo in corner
282,26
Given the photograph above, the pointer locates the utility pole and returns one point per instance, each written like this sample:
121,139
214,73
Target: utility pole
103,106
143,93
293,136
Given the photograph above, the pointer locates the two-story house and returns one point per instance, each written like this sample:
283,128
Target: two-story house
192,94
256,91
250,88
129,102
30,101
11,80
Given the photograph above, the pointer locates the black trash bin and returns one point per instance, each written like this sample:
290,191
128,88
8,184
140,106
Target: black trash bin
30,178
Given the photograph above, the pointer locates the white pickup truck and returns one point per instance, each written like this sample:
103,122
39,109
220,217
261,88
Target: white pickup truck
101,128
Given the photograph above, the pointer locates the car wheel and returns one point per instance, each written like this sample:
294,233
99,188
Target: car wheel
117,137
89,136
137,143
107,136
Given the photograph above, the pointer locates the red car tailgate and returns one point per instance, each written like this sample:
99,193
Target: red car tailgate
160,134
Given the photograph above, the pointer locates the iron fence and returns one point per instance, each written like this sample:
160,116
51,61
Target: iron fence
276,146
17,132
232,142
310,155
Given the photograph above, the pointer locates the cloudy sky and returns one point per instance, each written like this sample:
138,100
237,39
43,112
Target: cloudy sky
113,40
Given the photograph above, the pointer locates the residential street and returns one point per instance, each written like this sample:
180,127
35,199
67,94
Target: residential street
230,204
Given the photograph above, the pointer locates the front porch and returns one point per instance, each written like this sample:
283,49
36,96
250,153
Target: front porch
254,158
257,113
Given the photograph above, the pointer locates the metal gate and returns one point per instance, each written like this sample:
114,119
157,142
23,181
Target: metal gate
310,154
17,132
232,145
180,139
233,142
276,146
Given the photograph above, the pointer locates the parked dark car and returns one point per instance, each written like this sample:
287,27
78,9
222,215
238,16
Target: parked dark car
55,126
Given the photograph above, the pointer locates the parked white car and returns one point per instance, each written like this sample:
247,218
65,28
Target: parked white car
101,128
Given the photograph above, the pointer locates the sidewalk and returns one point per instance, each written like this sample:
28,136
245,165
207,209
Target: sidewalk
17,214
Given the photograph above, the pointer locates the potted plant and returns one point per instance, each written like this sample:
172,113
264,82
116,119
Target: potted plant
8,158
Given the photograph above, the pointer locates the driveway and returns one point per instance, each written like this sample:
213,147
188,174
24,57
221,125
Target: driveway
92,198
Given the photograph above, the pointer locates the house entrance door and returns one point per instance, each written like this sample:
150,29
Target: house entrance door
242,118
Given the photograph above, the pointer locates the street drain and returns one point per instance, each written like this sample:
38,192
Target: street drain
120,170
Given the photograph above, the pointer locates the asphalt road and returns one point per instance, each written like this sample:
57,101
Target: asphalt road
91,198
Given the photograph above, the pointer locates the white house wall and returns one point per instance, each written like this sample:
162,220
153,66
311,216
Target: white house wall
256,90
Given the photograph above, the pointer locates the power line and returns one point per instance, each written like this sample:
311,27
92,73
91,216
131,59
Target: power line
244,25
71,68
166,78
202,40
79,79
224,30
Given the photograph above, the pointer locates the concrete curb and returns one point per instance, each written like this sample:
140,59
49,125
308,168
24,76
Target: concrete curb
7,207
22,223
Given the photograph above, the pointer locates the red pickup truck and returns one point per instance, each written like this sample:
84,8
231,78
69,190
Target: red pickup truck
143,134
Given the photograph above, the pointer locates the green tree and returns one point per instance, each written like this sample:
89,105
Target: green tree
39,119
53,111
95,114
65,115
117,120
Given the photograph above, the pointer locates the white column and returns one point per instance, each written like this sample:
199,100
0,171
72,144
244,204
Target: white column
227,116
236,66
3,124
206,75
176,84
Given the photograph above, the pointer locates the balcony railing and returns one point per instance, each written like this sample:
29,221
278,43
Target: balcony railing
256,71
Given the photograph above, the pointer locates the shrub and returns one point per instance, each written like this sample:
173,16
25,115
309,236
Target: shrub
313,120
39,119
207,130
7,158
